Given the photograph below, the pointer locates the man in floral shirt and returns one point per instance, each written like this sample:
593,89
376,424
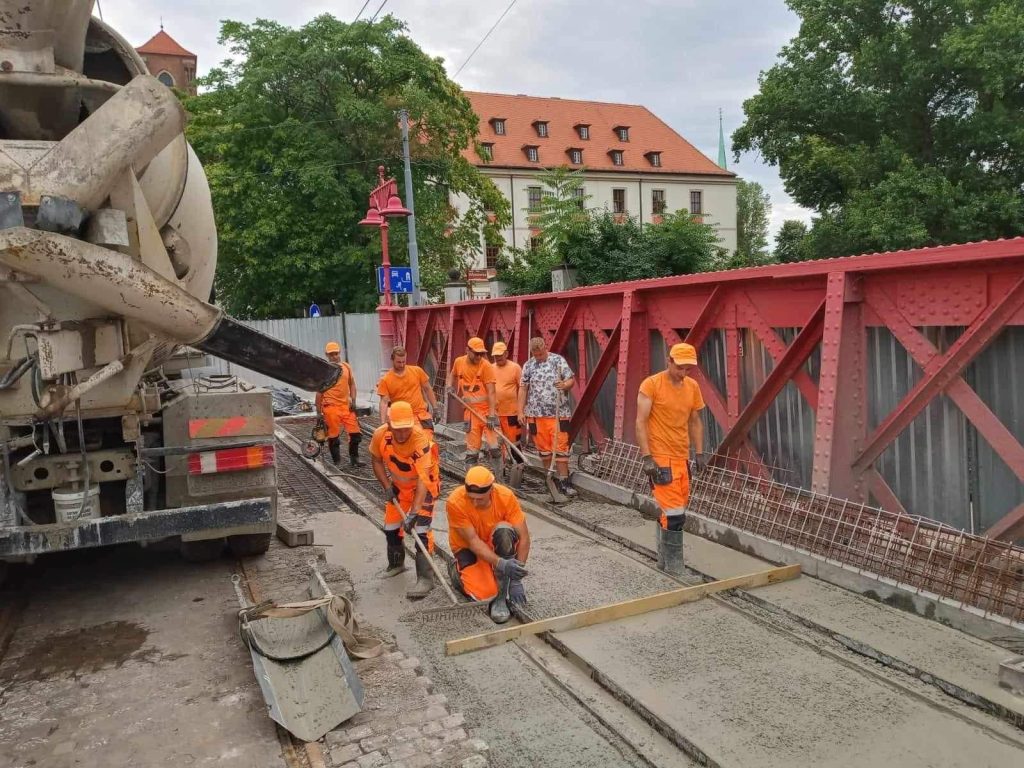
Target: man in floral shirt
546,379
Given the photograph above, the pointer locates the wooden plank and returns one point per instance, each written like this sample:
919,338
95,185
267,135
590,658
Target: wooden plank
620,610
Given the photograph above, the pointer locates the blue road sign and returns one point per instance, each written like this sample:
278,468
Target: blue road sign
399,279
314,310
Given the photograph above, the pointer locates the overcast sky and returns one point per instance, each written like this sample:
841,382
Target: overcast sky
682,59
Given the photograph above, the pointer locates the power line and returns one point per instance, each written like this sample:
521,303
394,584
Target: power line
484,40
360,11
378,11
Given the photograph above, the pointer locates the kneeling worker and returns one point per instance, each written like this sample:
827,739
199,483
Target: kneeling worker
667,416
489,541
405,464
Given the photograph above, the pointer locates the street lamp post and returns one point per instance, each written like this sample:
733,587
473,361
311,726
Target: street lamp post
385,204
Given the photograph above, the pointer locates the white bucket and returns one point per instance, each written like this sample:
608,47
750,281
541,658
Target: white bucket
67,504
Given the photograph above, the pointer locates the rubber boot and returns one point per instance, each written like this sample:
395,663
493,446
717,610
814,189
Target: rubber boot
424,578
499,609
334,446
353,451
670,551
565,486
396,561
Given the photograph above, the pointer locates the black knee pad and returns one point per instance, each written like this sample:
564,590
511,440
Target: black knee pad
394,537
505,541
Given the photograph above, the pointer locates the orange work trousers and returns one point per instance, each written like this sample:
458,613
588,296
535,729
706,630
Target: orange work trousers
338,416
672,488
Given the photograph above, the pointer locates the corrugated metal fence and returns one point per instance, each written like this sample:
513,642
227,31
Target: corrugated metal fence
359,336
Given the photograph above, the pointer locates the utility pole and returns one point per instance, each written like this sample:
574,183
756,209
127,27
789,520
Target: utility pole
414,254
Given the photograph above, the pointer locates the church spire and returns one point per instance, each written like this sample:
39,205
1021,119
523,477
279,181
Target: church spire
721,143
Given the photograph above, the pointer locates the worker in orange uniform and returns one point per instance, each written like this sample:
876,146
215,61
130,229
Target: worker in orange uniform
667,418
405,464
410,384
545,380
472,379
490,542
337,407
507,380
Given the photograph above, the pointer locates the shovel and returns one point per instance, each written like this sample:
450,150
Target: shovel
518,468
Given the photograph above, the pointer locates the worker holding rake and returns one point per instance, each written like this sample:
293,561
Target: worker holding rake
667,418
405,464
490,542
472,381
508,377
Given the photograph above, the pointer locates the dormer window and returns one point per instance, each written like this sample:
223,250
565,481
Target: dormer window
616,156
622,131
583,130
542,128
654,158
487,151
498,124
532,153
575,155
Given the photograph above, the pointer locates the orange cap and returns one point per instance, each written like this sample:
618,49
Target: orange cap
400,415
477,344
332,346
479,478
499,348
683,354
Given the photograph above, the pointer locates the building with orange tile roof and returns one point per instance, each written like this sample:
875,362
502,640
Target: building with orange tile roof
634,163
172,64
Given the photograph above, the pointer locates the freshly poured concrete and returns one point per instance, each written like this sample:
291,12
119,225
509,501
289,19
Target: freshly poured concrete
750,697
930,647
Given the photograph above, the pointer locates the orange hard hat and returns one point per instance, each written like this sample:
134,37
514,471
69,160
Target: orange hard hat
477,344
400,415
332,346
479,479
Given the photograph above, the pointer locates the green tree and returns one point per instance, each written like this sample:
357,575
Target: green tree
562,215
753,206
682,245
791,243
291,130
898,123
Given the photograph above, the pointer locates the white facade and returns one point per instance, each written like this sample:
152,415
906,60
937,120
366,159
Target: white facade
717,198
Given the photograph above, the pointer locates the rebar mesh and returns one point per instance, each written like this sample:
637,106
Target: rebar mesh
914,552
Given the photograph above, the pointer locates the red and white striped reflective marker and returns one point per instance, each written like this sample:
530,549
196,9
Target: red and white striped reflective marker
231,460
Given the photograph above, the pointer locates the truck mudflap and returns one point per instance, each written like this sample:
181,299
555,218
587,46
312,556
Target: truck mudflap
217,519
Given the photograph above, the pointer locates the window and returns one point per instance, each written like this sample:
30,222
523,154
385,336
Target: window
622,131
696,202
657,201
532,155
535,243
499,126
533,198
618,201
487,152
583,131
576,156
616,156
542,128
166,78
492,256
580,194
654,158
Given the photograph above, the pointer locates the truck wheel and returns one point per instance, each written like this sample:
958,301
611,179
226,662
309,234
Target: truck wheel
202,551
248,544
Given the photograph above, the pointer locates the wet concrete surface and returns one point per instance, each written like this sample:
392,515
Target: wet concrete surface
130,657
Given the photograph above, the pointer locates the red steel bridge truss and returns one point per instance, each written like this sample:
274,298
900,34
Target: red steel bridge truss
944,307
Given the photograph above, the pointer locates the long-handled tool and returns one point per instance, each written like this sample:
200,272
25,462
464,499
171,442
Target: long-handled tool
518,468
458,608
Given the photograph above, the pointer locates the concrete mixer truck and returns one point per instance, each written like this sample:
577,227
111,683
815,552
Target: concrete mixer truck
107,257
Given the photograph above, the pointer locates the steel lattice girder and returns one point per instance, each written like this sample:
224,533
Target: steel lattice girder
977,286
